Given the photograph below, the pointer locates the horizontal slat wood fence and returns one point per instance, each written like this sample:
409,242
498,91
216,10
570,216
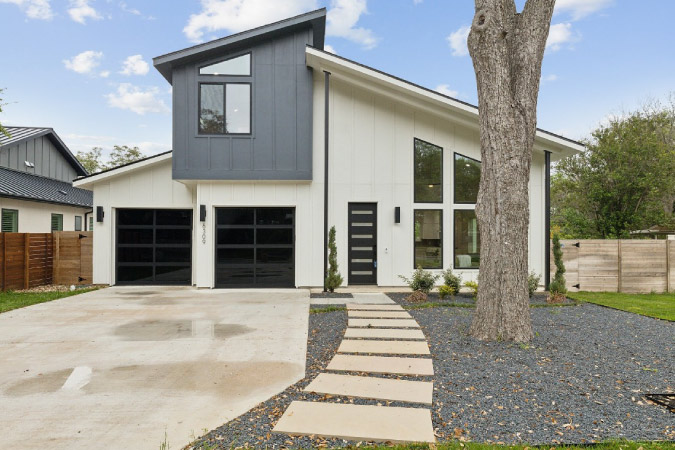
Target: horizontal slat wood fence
631,266
29,260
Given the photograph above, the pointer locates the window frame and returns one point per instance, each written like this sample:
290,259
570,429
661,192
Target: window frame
60,221
415,166
80,227
224,84
250,66
454,239
12,210
440,210
454,177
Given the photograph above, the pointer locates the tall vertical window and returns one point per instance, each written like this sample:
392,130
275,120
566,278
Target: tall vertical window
467,179
10,221
78,223
91,223
429,238
428,172
57,222
466,239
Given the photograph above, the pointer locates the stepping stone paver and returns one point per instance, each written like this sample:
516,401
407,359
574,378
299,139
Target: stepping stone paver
380,314
384,347
374,307
382,364
383,323
371,387
384,333
357,422
368,299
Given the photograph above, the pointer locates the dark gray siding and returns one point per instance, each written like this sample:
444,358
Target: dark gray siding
49,162
280,144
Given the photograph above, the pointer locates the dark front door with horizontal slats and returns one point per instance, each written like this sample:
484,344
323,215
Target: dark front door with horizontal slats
362,243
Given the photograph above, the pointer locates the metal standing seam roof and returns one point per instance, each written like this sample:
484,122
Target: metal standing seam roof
26,186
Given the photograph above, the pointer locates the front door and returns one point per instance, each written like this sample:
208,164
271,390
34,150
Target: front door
362,243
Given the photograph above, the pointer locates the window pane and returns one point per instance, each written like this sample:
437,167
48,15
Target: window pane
10,221
238,108
234,216
211,109
134,217
78,223
57,222
467,240
240,65
428,173
467,178
428,238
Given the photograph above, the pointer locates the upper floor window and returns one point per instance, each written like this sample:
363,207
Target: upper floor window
225,108
467,179
428,172
237,66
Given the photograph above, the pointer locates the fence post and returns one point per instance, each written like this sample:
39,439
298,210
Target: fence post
4,261
26,260
668,287
55,262
619,263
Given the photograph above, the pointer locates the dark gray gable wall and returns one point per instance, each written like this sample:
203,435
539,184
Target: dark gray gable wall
48,160
280,144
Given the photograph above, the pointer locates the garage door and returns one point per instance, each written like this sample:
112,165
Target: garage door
154,246
255,247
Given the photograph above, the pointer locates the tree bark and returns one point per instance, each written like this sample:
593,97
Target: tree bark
507,49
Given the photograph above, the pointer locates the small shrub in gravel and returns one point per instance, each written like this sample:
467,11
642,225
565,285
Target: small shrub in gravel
559,284
556,297
421,280
473,285
446,291
452,280
417,297
533,283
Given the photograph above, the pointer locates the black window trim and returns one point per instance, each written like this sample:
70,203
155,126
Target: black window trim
454,235
415,165
454,178
224,84
219,60
17,218
415,243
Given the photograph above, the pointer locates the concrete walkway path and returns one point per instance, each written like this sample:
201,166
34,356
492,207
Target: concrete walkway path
376,331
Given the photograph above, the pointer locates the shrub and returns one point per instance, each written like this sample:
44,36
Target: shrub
333,278
556,297
533,283
417,297
558,285
421,280
452,280
446,291
473,285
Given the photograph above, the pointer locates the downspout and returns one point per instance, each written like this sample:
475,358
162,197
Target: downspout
325,176
547,219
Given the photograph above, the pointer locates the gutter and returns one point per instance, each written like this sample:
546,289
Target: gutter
547,220
325,176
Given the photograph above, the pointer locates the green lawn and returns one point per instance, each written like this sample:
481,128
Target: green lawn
456,445
12,300
661,306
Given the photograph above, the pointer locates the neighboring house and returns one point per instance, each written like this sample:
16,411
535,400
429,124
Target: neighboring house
655,232
36,190
240,201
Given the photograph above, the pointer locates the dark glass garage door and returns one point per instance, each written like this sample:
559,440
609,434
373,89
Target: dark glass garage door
255,247
154,246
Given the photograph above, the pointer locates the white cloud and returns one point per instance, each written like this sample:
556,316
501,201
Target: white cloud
445,90
80,11
579,9
104,74
34,9
329,49
240,15
559,34
417,2
137,100
85,62
550,78
124,7
134,65
342,19
457,41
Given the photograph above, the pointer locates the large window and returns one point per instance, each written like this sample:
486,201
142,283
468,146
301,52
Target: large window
10,221
429,238
225,108
57,222
467,239
238,66
428,173
467,179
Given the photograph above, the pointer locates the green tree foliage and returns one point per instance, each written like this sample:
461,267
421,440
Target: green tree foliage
123,154
624,180
92,160
559,284
2,129
333,278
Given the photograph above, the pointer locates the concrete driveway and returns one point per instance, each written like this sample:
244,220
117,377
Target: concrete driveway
118,367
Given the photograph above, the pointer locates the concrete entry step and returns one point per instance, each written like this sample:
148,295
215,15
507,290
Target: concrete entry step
382,364
357,422
383,323
384,347
365,307
375,298
379,314
383,333
371,387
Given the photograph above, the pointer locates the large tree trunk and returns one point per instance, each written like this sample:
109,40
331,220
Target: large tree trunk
507,49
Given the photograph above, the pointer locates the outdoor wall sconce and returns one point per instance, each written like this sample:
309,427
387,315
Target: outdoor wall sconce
397,214
202,213
99,214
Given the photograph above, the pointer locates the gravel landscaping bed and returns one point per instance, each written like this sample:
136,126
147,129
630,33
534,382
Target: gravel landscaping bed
401,298
582,379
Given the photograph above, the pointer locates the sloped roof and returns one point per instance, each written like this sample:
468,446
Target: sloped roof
22,134
314,19
26,186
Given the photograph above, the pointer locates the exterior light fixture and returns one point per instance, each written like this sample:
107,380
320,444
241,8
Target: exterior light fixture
202,213
99,214
397,214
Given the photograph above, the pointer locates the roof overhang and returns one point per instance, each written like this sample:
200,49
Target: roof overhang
89,181
313,19
424,98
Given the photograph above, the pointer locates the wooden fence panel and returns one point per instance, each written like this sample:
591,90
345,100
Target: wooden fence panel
643,266
73,254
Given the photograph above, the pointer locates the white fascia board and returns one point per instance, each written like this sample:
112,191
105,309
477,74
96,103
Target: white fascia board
89,181
423,98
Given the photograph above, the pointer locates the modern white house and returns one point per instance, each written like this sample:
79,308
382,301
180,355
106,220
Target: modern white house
276,140
36,191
